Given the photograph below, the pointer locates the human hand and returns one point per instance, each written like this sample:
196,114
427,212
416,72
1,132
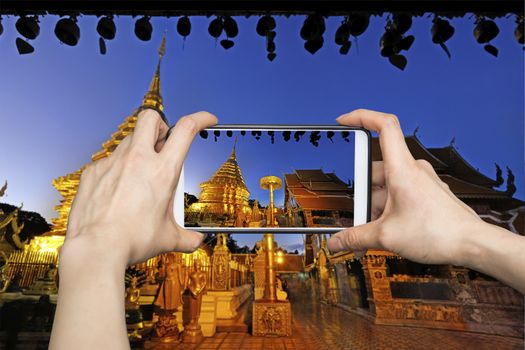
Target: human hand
414,213
124,204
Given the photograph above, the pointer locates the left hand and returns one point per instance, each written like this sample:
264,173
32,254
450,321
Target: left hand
124,204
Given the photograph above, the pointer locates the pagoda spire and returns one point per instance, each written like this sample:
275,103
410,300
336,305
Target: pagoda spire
233,155
153,97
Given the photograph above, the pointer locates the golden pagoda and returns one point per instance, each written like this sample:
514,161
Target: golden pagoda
225,195
67,185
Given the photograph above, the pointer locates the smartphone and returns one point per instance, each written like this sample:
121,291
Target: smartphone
275,179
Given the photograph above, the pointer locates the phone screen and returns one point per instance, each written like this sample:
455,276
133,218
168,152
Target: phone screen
270,178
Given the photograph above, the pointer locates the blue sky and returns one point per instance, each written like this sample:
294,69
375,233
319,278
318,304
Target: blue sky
61,103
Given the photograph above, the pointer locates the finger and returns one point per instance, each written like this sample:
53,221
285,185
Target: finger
188,241
356,238
147,129
378,174
122,146
391,138
163,134
379,196
180,138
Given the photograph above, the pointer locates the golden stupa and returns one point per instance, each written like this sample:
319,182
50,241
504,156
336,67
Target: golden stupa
67,185
225,195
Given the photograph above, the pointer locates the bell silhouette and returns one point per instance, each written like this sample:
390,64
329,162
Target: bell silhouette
28,27
67,31
143,29
106,28
184,26
485,31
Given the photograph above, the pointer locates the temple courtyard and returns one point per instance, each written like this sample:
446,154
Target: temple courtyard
321,326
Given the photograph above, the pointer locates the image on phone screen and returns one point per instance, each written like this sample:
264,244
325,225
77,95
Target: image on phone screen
270,178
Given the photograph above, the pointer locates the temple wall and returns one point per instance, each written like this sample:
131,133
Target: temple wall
451,301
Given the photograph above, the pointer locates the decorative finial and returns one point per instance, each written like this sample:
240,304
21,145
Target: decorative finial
233,155
162,48
3,189
453,142
511,187
499,176
415,131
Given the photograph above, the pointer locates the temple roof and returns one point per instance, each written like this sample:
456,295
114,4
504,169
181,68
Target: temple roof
416,148
316,190
459,167
444,160
464,189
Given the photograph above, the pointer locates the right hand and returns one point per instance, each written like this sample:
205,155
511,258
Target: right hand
414,213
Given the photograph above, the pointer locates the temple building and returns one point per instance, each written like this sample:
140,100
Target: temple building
393,290
317,199
223,198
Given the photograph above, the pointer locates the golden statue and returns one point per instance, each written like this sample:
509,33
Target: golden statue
196,286
134,279
169,298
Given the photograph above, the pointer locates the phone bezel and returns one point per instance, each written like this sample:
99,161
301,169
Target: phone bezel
363,144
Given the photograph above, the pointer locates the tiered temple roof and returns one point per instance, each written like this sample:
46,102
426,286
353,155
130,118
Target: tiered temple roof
67,185
314,189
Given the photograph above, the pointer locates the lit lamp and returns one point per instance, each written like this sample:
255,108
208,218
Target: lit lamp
279,256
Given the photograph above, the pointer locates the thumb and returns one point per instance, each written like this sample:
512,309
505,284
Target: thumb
357,239
188,241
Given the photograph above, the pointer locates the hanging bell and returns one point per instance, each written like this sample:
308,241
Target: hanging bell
184,26
230,27
28,27
67,31
143,29
441,31
485,31
215,28
313,27
106,28
265,25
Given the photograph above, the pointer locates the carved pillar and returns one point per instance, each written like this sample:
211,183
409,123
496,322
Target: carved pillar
220,276
377,283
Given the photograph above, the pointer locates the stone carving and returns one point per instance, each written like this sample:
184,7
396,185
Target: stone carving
272,319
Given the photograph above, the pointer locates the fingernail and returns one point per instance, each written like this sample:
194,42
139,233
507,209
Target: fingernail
335,245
